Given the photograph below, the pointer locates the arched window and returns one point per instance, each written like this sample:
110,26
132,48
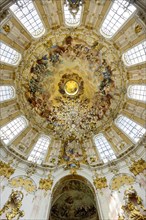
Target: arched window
11,130
104,148
118,14
137,92
135,55
70,19
25,11
9,55
38,153
6,93
130,128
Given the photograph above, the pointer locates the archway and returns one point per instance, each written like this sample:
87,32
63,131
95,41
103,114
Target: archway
73,198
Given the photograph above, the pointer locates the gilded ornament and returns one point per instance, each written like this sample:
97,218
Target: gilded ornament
73,165
119,180
133,208
31,169
6,28
120,217
46,184
138,29
6,170
100,182
138,167
48,44
116,46
24,182
12,206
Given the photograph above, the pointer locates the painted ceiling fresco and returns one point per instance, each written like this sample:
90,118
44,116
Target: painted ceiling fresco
69,87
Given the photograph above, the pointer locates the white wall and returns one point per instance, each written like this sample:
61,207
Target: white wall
37,205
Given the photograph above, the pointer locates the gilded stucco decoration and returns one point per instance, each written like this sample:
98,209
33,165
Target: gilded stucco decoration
6,170
133,208
120,180
6,28
12,206
46,184
138,167
138,28
23,181
100,182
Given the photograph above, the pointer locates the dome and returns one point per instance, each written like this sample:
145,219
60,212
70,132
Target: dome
73,87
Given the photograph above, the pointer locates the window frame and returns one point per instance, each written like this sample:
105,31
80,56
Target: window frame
19,133
39,15
110,37
38,146
14,93
19,56
124,59
133,140
104,140
136,99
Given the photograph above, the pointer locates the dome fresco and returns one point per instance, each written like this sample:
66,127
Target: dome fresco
43,86
71,85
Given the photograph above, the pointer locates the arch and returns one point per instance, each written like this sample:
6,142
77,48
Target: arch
75,198
7,93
